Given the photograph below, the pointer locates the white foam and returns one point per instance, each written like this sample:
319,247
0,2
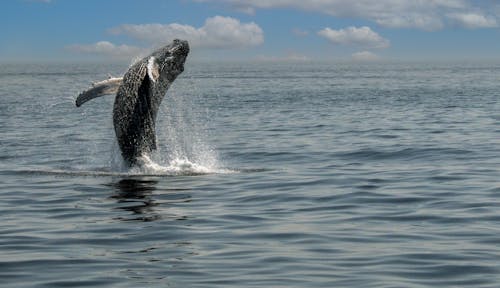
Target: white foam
146,166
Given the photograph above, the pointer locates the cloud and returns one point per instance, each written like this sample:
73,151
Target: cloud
421,14
363,36
365,56
217,32
106,48
473,20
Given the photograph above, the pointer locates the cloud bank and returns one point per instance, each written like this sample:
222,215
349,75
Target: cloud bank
217,33
422,14
473,20
363,36
106,48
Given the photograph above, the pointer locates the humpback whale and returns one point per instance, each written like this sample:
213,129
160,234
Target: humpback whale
138,96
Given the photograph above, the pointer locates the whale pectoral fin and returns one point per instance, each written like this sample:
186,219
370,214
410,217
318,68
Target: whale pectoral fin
106,87
153,69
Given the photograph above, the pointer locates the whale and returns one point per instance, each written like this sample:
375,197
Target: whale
139,94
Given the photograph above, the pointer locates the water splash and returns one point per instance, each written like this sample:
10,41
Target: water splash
183,133
176,167
182,138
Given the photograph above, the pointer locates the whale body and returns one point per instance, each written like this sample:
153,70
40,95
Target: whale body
138,96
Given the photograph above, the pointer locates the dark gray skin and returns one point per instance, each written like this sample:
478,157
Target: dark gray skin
138,98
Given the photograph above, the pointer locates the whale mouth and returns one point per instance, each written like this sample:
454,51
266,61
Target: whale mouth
179,49
181,45
173,57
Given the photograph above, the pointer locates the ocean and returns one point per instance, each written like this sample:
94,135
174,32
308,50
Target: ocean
267,175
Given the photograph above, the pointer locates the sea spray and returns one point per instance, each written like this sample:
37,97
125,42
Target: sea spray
183,129
146,166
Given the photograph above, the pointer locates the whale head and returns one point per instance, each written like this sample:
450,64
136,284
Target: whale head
168,62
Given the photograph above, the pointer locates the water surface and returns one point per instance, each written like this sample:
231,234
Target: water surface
275,175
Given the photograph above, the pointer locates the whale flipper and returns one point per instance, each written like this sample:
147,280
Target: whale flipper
98,89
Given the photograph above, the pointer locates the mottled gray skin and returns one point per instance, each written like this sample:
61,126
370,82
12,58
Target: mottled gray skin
139,97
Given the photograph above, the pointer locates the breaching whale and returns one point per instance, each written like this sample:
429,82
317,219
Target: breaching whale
138,96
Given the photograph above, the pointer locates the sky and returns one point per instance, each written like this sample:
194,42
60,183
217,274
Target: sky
255,30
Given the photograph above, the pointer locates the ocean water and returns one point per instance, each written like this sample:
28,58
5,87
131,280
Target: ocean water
267,175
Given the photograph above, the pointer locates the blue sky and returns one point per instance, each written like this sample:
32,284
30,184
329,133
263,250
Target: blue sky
270,30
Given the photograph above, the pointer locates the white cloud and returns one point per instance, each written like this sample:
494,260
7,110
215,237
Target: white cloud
217,32
473,20
365,56
106,48
363,36
421,21
421,14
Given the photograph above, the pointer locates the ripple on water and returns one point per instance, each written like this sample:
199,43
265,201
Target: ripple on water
347,176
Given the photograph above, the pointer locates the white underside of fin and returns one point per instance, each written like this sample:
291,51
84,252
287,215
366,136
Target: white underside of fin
152,69
106,87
